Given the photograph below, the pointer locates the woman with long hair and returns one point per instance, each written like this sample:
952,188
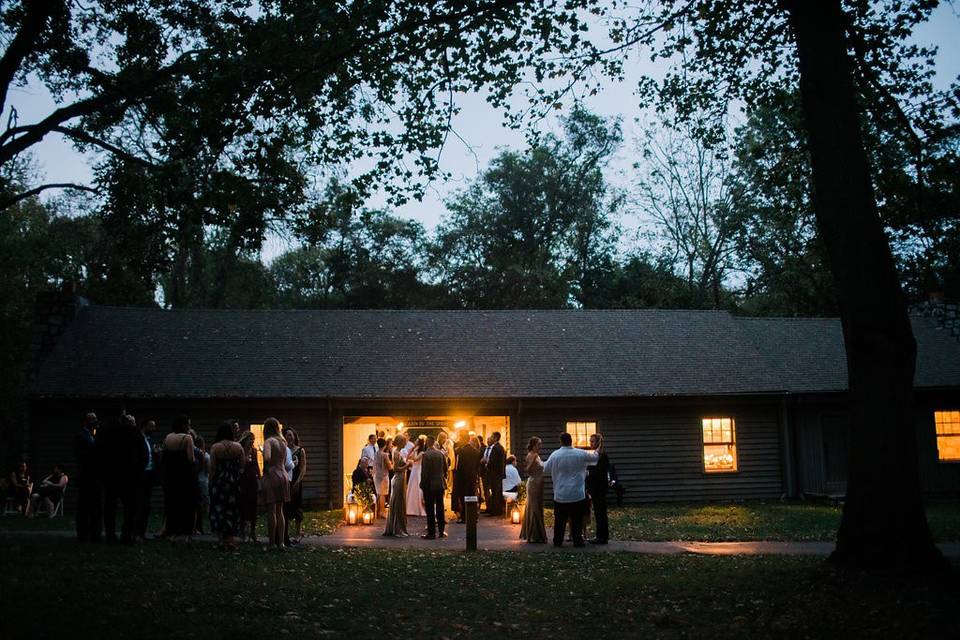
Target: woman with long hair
276,485
180,491
226,470
397,518
293,510
533,528
415,506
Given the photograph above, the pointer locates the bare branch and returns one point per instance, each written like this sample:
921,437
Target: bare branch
9,202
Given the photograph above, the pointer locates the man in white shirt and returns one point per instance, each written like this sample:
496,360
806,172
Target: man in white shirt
568,468
370,451
511,477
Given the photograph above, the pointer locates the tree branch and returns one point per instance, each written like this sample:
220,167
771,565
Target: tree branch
9,202
32,27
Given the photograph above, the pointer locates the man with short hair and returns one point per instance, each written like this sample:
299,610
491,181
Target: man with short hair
433,483
597,483
568,468
369,451
496,470
149,478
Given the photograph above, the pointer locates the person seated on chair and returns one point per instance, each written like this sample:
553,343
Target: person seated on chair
50,491
20,488
511,478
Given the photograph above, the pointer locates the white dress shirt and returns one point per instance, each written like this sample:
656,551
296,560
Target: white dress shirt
568,468
511,478
370,453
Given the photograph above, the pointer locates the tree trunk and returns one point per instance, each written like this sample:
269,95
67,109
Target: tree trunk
884,524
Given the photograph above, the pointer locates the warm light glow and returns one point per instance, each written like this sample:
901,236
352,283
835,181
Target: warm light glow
948,435
719,445
581,432
460,424
399,427
368,517
351,514
515,515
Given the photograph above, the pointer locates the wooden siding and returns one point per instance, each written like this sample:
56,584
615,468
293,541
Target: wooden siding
658,452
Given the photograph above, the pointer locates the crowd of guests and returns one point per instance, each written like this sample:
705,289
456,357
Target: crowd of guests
412,477
120,465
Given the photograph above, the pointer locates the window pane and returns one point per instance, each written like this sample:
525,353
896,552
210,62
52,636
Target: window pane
581,432
948,448
720,457
948,422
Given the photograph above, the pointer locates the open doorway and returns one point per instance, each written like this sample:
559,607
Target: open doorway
356,429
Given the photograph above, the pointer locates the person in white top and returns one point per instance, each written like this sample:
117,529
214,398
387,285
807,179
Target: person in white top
370,451
568,468
511,478
415,506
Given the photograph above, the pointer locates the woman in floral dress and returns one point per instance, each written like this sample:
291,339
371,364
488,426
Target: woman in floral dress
226,470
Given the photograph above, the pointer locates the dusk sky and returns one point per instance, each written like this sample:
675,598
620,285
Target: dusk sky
478,124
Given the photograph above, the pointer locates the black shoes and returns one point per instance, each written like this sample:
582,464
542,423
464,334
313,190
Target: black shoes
428,536
596,541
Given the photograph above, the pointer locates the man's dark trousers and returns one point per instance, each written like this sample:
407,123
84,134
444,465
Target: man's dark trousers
436,519
602,532
573,511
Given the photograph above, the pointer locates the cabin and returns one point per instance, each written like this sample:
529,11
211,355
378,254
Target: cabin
694,405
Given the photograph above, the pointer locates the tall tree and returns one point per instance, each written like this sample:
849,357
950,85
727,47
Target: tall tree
535,229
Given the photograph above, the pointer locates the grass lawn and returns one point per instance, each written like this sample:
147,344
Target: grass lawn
54,588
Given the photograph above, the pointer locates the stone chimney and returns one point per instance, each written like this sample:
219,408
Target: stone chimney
942,311
53,313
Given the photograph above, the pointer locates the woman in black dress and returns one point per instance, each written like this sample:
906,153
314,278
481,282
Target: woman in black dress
226,470
249,487
179,481
293,510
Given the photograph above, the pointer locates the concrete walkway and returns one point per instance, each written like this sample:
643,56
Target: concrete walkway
496,534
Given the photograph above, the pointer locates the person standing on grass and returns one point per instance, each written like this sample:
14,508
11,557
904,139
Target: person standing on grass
203,481
468,473
597,484
180,492
122,460
293,510
276,484
433,485
148,477
249,487
226,471
89,487
568,468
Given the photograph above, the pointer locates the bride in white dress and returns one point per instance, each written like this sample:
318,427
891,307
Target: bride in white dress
414,493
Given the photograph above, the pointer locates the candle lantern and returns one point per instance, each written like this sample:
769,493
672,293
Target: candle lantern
368,517
352,514
515,515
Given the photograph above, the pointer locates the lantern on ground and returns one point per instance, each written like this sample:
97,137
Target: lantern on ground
368,517
352,513
515,515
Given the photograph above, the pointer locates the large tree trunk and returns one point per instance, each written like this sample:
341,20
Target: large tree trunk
884,523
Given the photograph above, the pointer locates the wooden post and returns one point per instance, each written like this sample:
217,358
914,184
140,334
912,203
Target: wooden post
471,508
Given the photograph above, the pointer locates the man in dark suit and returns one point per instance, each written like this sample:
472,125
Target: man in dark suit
433,483
597,489
89,487
123,459
150,478
468,470
496,469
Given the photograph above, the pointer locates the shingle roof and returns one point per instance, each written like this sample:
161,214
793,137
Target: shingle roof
112,352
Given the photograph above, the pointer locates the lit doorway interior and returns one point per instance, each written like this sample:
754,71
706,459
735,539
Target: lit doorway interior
356,429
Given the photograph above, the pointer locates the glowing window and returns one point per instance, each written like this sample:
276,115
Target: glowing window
581,432
948,435
719,445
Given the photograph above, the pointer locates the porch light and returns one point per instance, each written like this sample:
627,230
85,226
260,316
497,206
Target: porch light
399,427
460,424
